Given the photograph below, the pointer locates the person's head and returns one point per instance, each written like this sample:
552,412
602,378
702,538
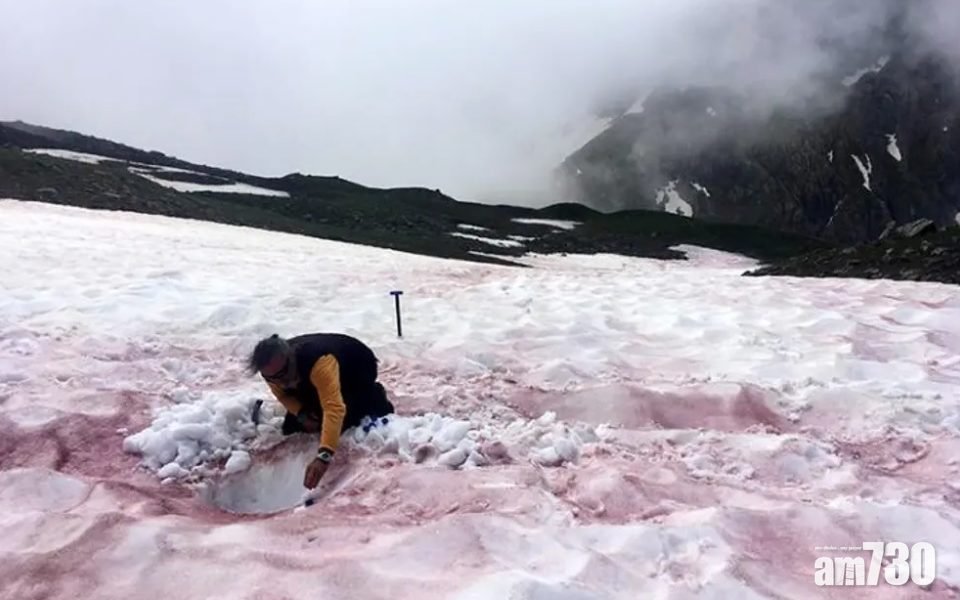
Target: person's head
273,358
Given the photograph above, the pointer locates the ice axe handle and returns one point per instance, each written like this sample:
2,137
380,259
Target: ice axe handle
396,298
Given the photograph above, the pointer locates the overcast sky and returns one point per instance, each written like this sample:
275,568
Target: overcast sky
479,99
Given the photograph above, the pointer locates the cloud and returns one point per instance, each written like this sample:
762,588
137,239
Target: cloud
481,100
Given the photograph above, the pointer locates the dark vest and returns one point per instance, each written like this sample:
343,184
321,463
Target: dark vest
357,363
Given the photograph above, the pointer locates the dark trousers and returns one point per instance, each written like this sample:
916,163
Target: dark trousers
368,400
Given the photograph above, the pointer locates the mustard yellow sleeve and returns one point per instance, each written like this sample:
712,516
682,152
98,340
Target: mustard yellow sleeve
288,402
325,375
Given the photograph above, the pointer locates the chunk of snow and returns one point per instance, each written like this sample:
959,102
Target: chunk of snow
701,189
892,147
171,470
194,434
238,461
957,218
711,111
876,68
670,200
453,458
830,156
559,224
866,171
490,241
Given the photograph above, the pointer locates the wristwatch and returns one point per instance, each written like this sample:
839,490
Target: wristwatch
325,456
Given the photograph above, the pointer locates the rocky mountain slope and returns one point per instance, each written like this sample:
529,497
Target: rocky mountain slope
887,151
42,164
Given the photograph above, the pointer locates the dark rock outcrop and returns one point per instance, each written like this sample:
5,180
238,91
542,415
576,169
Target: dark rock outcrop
933,257
888,153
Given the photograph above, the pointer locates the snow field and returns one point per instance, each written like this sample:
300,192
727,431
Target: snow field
593,427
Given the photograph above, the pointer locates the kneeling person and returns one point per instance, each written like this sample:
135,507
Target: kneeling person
327,382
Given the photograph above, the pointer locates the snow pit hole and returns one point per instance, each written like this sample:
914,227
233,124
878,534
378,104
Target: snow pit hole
266,487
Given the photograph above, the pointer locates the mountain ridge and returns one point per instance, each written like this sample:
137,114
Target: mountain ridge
41,164
886,154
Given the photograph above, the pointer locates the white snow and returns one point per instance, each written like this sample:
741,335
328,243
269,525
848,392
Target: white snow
830,156
711,111
91,159
591,427
866,171
145,171
875,68
227,188
957,218
559,224
701,189
892,147
491,241
669,198
470,227
637,107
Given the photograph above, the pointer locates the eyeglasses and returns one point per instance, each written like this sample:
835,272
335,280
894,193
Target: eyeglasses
281,374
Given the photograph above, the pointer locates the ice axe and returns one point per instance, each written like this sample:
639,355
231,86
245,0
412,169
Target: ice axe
396,298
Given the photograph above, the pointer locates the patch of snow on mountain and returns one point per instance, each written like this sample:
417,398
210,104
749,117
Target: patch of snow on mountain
490,241
637,107
701,189
876,68
866,171
471,227
670,200
90,159
228,188
549,223
892,147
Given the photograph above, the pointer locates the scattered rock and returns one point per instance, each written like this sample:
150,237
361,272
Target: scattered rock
889,229
917,228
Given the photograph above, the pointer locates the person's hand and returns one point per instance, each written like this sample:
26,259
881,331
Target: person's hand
315,471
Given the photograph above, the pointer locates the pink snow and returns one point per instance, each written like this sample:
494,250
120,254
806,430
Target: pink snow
590,427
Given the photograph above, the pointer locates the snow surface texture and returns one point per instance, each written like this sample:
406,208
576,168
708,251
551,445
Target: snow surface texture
591,427
671,201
